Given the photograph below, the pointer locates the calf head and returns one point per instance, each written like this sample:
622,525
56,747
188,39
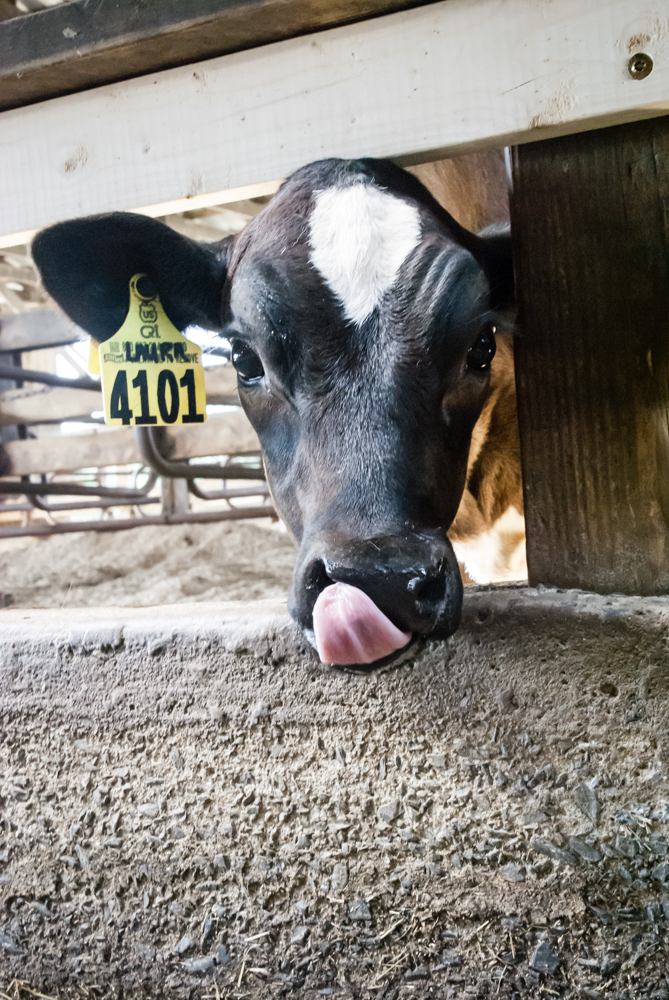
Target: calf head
361,319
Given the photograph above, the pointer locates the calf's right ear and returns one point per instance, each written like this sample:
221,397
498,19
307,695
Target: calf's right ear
86,266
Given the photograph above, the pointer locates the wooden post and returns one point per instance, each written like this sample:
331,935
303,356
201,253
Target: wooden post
174,496
590,222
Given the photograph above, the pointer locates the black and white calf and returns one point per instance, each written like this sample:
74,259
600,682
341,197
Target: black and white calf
363,323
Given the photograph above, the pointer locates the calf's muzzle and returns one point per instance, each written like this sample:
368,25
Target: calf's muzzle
412,578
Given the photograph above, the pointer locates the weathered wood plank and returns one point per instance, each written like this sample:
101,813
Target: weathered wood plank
220,383
591,244
43,404
435,81
224,434
474,188
92,42
221,435
36,329
65,454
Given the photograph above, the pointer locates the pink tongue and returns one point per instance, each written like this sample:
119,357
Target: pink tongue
349,627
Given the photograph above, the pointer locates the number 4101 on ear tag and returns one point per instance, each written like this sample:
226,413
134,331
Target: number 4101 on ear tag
150,373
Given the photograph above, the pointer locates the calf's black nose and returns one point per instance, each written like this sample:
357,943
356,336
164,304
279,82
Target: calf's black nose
412,578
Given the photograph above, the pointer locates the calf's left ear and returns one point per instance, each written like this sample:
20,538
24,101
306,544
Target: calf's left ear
86,266
497,261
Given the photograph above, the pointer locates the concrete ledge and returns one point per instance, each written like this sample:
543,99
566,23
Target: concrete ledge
188,794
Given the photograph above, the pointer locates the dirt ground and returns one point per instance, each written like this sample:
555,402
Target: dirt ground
222,561
193,808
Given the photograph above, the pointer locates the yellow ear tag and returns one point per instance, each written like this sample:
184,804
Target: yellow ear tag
150,373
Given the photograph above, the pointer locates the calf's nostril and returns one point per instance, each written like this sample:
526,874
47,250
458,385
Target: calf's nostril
316,578
427,590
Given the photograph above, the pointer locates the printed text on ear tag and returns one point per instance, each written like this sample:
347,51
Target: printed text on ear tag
150,373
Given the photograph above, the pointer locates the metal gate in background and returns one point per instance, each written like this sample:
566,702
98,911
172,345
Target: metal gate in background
63,470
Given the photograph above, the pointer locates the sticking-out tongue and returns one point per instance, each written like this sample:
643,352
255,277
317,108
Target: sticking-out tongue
349,627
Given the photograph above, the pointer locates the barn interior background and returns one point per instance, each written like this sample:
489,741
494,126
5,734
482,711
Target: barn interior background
191,806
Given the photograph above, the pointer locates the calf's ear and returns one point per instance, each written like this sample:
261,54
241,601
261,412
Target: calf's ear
86,265
497,261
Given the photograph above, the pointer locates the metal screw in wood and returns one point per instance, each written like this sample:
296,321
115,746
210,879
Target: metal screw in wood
640,66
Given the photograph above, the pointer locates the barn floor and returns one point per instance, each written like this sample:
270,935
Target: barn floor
193,807
223,561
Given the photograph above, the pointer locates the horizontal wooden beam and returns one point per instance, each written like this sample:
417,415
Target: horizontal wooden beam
30,331
224,434
92,42
416,85
220,383
43,404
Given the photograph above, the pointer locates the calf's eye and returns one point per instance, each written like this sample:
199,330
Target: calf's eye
482,351
247,363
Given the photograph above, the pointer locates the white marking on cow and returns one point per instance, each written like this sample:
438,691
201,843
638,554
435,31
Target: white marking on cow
311,637
496,555
360,236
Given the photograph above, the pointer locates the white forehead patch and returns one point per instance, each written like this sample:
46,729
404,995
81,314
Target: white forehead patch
359,237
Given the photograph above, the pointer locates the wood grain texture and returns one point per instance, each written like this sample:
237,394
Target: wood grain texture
590,220
474,188
92,42
37,329
42,404
220,383
227,434
439,80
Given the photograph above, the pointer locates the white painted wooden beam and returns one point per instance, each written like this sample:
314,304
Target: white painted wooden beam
446,78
